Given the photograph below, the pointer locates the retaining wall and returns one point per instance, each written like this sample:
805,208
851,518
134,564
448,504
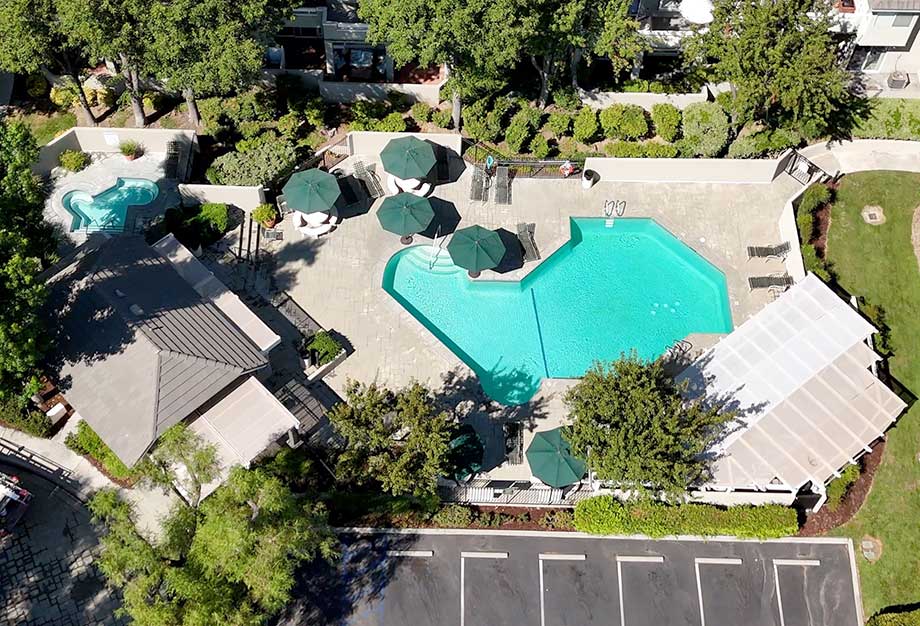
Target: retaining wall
350,92
246,198
756,171
603,99
369,142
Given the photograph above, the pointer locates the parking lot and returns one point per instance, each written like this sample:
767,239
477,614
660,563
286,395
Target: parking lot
548,579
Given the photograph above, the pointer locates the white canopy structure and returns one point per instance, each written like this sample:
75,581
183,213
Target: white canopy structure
798,374
696,11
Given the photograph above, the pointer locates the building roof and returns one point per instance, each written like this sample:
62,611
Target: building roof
909,6
140,350
210,288
241,425
798,375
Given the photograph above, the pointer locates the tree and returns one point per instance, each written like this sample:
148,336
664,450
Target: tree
480,41
780,59
231,561
211,47
397,438
631,423
115,30
31,40
21,195
183,463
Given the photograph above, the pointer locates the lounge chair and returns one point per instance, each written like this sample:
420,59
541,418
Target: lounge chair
776,281
478,187
525,234
778,251
369,178
502,186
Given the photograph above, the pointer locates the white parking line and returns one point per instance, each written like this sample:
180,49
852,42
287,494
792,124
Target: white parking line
699,585
553,556
411,553
472,555
630,559
779,596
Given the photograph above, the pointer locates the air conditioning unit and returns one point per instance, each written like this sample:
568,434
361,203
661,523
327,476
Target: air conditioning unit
898,80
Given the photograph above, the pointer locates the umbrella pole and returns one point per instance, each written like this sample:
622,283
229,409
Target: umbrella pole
474,274
405,240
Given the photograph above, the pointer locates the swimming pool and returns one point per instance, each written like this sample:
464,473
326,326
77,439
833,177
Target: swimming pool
609,290
108,209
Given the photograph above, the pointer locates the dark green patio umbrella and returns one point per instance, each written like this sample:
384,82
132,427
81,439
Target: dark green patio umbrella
311,191
551,460
408,157
475,248
405,214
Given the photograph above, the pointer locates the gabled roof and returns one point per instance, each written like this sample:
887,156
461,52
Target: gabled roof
141,350
798,375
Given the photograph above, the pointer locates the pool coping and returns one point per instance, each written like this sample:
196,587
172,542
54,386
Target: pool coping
106,181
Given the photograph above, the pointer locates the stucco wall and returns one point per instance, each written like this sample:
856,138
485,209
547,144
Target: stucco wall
685,170
603,99
367,142
349,92
246,198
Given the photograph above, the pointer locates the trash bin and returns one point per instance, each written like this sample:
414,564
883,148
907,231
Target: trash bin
588,178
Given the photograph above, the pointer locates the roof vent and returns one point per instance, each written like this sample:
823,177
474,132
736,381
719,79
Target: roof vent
119,293
137,310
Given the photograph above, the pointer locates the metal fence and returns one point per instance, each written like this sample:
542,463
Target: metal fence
501,493
478,154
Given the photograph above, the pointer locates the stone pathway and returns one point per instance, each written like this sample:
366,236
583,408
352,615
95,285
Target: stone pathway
48,575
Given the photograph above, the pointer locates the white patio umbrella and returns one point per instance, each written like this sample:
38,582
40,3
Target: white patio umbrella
696,11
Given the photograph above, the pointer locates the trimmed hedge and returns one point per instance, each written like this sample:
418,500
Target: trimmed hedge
605,515
585,127
559,123
262,164
705,127
421,112
838,488
73,160
624,121
666,119
85,441
907,618
441,118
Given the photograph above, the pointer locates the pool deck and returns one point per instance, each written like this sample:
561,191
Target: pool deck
99,176
337,278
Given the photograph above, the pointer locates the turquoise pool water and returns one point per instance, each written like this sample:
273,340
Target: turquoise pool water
609,290
108,209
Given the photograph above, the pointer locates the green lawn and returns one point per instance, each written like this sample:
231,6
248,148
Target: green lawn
878,262
46,127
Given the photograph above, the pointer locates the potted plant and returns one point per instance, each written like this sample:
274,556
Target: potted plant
266,215
130,149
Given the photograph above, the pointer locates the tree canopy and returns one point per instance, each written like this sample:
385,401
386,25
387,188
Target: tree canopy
231,561
398,439
182,462
780,59
631,423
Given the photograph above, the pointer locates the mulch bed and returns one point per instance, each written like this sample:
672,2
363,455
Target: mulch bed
826,520
823,224
514,523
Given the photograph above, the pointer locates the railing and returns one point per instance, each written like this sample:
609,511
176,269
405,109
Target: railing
480,492
477,154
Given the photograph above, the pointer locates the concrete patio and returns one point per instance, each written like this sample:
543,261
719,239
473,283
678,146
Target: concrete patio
337,279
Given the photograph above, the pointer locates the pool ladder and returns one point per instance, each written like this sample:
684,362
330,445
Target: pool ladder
439,245
611,207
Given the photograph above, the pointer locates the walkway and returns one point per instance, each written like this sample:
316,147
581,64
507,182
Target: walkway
865,154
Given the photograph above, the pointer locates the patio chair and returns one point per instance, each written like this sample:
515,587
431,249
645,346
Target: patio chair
282,205
478,187
776,281
502,186
525,234
778,251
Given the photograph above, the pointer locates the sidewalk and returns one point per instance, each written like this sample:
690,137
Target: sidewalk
864,154
70,471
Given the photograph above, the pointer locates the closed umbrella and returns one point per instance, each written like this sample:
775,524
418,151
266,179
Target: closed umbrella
551,459
311,191
475,249
408,157
405,214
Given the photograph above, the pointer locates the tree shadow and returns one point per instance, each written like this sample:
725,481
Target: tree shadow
349,590
445,221
849,112
513,258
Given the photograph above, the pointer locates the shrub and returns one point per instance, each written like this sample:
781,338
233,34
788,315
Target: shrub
814,264
705,126
256,105
558,519
780,139
215,215
666,119
806,224
624,149
83,440
519,131
745,147
251,143
762,143
539,146
17,415
421,112
585,126
559,124
567,98
288,125
655,150
264,213
105,97
250,130
130,148
153,100
63,96
73,160
605,515
398,100
314,113
906,618
364,111
392,123
838,488
814,197
36,85
263,164
624,121
441,118
453,516
326,346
